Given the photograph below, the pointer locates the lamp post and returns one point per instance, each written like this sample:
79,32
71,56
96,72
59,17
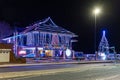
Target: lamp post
96,12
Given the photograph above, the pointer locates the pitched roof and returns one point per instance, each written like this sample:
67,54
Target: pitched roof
47,25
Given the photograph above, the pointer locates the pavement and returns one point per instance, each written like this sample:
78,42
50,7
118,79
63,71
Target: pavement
50,63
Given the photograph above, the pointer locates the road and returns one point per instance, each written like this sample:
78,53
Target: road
79,72
35,67
59,72
39,67
43,67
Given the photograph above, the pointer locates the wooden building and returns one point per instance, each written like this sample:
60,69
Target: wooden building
42,39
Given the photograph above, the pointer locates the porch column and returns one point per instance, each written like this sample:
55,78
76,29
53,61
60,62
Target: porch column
73,52
64,57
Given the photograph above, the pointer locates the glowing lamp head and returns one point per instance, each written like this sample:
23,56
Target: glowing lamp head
68,52
103,56
103,32
96,11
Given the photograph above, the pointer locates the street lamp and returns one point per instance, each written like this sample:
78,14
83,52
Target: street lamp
96,12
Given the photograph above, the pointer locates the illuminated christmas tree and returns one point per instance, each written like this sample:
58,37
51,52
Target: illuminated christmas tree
103,46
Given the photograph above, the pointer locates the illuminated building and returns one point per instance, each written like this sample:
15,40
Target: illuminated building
42,39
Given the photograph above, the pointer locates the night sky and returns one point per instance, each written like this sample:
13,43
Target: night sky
74,15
